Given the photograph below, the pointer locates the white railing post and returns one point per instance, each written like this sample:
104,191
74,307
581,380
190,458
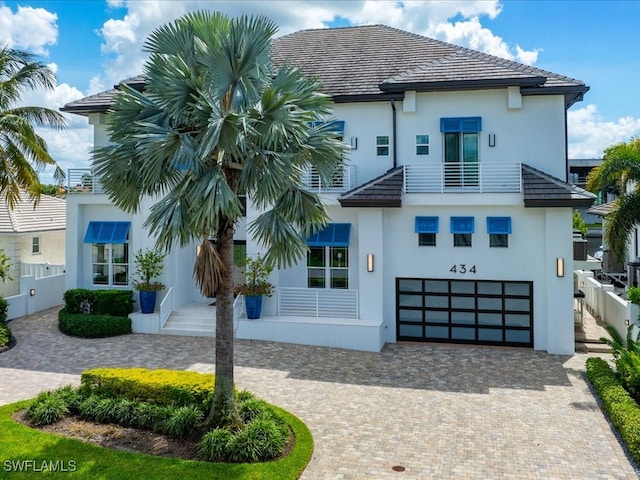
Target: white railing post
166,307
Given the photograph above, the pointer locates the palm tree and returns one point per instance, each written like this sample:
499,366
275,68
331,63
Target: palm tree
216,121
22,151
621,166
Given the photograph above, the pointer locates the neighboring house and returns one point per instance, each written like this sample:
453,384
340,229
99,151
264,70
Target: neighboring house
451,223
33,238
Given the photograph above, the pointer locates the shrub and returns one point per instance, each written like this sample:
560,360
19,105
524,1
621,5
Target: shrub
117,303
260,440
92,326
633,295
4,310
623,411
214,446
164,387
253,408
70,395
145,415
626,353
47,408
5,335
182,421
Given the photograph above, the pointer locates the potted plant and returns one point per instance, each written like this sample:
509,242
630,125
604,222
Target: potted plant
257,273
148,265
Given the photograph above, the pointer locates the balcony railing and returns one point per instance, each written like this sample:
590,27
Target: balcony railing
463,177
342,181
82,180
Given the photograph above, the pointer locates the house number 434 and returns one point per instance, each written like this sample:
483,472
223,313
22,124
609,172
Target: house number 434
462,268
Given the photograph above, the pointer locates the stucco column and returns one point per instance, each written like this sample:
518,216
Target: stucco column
557,314
370,241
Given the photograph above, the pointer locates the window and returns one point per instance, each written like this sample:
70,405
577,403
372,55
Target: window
462,229
382,145
426,228
109,252
110,263
35,245
334,272
499,229
422,144
328,257
461,147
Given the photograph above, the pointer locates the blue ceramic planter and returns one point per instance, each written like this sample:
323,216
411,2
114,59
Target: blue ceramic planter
253,305
147,301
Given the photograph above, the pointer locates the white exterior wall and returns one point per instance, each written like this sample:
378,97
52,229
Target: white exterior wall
533,134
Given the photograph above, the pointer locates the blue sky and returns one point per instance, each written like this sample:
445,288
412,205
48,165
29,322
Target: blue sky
94,44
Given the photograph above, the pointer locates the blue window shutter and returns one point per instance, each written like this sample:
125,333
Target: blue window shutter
462,225
461,124
427,224
498,225
333,235
107,232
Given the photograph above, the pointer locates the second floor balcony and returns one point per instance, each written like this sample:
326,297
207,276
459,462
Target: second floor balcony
463,177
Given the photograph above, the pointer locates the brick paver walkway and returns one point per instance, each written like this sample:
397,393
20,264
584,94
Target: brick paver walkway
438,411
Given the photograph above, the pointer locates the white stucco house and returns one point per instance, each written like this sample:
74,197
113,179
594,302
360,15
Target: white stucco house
451,223
33,237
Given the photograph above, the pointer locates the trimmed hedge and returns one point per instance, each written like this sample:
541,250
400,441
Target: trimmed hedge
4,310
117,303
5,332
621,408
92,326
163,387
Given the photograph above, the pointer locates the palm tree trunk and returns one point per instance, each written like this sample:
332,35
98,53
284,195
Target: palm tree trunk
223,409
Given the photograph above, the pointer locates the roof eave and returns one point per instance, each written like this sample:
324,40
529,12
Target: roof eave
572,94
356,203
555,202
462,84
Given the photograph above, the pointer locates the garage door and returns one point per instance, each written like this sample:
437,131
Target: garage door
485,312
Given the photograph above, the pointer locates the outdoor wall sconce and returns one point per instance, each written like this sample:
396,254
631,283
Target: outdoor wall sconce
626,322
492,139
369,262
32,292
560,267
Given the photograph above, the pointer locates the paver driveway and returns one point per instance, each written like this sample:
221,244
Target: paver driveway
438,411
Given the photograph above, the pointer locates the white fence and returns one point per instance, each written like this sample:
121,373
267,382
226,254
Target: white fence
318,302
40,270
36,294
475,177
603,303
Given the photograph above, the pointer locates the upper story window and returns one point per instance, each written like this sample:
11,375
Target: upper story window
499,229
35,245
382,145
461,136
422,144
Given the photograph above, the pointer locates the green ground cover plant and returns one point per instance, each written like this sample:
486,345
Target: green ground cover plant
270,444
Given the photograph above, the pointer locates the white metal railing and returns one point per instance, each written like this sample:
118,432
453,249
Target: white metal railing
342,181
40,270
475,177
318,302
238,310
166,307
83,180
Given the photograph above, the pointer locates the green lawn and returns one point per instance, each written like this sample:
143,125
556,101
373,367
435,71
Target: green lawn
21,443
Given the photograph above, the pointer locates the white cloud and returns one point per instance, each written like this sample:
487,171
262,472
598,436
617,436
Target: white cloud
31,29
589,134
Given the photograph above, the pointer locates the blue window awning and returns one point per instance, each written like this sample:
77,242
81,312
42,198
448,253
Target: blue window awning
427,224
462,225
333,235
107,232
461,124
499,225
336,126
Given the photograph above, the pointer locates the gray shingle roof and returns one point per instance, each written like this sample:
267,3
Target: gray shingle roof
50,214
602,210
383,191
543,190
376,61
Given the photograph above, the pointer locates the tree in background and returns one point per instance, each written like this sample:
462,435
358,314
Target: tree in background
216,121
5,267
621,167
579,223
22,151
